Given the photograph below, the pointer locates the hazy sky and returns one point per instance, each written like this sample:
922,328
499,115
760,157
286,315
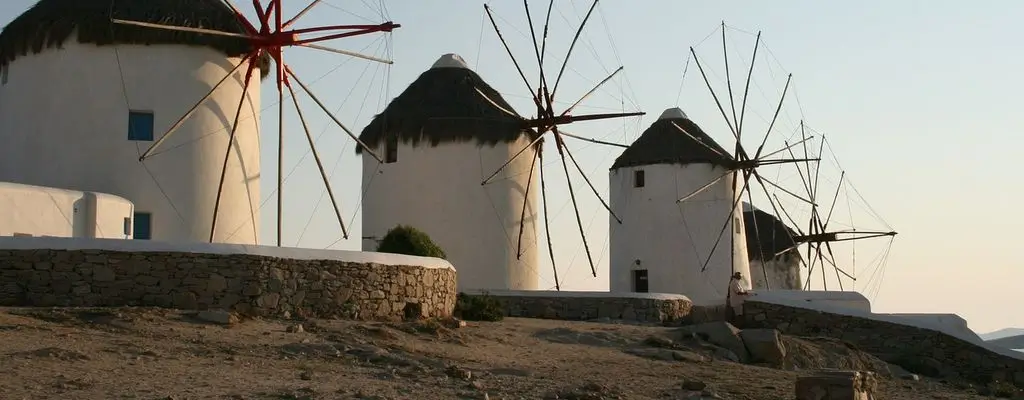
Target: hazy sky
915,97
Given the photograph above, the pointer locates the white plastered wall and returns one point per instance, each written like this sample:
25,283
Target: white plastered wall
438,190
673,240
42,211
64,123
783,273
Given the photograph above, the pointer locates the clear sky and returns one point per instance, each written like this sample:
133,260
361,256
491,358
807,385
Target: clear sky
917,99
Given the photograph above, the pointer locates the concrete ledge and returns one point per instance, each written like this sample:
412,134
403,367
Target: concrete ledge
147,246
639,307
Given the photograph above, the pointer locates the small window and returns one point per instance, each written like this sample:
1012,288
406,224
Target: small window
640,281
736,224
638,178
391,149
18,234
142,228
4,74
127,226
140,125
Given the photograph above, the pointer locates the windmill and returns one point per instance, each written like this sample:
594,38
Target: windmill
265,38
745,164
547,120
817,236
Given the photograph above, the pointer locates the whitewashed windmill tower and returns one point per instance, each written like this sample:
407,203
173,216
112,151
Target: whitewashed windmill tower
773,251
94,90
81,98
663,245
439,139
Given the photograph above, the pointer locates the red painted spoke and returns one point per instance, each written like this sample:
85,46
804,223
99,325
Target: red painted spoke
386,27
262,15
248,26
277,16
266,14
341,35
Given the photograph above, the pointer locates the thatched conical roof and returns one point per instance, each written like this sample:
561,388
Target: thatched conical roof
663,143
50,23
442,106
771,236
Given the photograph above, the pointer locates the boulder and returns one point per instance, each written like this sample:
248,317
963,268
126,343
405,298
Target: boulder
837,385
764,346
217,317
720,333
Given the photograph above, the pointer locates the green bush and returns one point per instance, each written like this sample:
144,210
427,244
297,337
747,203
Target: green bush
407,240
478,308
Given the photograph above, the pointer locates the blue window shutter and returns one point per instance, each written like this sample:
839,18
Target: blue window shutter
142,229
140,125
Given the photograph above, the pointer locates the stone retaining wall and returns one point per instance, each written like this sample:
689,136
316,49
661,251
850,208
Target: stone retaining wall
919,350
246,283
591,305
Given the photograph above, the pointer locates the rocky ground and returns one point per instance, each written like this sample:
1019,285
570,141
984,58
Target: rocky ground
162,354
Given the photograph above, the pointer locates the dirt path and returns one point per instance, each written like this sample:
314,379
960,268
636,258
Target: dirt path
163,354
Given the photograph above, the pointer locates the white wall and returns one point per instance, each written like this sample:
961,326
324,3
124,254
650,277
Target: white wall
43,211
814,298
672,240
55,243
783,273
575,295
437,190
64,123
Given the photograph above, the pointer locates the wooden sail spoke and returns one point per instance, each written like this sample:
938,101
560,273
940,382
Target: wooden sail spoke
784,190
591,91
728,85
589,183
728,221
714,96
547,225
572,46
703,188
526,202
308,8
696,140
250,58
788,147
775,117
495,104
575,205
347,53
746,89
508,50
595,141
319,164
183,29
331,115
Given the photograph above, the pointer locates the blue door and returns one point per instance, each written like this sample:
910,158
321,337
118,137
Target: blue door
142,228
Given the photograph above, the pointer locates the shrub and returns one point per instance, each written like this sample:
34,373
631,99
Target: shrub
407,240
479,308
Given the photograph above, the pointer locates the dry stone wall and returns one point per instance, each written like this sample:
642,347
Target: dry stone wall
248,284
579,306
919,350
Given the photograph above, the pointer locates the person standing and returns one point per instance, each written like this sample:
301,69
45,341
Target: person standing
734,299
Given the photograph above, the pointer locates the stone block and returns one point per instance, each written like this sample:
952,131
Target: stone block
764,345
837,385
